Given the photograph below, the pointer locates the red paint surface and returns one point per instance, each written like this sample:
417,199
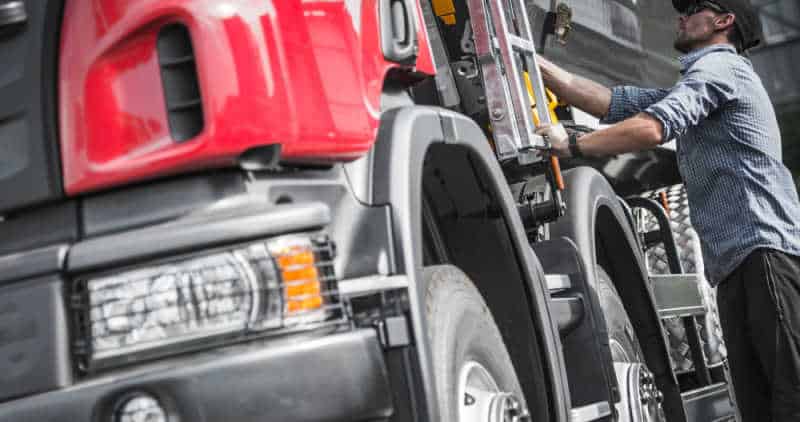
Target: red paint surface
304,74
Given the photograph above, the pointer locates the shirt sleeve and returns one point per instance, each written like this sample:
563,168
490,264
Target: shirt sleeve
627,101
704,88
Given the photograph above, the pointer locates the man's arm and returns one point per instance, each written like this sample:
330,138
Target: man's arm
587,95
611,105
703,90
638,133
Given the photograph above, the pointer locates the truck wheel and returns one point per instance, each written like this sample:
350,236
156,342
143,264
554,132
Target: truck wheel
622,339
474,376
641,399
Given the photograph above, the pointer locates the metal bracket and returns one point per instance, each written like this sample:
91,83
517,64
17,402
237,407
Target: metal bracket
445,83
563,24
393,332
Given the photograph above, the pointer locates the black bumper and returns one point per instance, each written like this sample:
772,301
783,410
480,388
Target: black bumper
339,377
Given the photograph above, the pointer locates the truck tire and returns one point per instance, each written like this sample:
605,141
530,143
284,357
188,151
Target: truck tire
474,375
640,398
688,245
622,338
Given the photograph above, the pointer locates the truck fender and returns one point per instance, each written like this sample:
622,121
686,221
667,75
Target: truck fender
392,174
595,217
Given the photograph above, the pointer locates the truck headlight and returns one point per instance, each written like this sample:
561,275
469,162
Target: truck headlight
282,283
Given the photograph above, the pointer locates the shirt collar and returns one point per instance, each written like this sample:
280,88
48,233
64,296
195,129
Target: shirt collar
688,60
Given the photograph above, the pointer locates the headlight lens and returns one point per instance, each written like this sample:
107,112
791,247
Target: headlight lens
202,296
280,283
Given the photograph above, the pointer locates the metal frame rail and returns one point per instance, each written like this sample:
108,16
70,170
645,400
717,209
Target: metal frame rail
663,235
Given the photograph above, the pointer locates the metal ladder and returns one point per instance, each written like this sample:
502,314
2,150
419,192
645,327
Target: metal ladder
677,295
505,50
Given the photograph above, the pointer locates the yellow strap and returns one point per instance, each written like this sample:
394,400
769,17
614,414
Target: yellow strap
446,10
552,101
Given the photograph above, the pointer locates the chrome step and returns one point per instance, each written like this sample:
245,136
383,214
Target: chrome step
711,403
677,295
590,412
557,282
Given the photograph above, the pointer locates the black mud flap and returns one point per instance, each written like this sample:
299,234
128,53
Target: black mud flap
30,170
585,341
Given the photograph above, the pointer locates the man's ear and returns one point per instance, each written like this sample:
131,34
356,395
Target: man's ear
725,21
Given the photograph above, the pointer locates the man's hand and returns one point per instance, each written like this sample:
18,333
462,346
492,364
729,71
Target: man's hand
550,70
558,138
640,132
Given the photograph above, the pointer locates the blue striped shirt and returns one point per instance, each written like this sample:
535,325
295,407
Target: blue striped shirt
741,195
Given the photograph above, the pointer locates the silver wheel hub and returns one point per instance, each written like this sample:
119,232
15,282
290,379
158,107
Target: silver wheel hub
641,399
481,400
649,396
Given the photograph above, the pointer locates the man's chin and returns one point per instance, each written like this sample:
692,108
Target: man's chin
682,46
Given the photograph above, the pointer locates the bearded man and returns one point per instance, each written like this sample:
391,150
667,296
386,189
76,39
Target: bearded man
744,204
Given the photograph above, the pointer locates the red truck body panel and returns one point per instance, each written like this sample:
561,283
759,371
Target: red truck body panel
304,74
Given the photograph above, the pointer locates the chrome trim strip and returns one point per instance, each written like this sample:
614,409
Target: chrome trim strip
363,286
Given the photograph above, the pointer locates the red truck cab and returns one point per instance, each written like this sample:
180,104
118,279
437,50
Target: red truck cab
125,127
149,88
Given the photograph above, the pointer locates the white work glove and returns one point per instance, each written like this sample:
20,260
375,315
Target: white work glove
558,138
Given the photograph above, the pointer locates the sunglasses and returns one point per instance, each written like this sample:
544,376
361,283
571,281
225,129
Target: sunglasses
704,5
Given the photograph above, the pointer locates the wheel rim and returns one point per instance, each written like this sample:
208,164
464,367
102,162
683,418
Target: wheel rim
641,399
481,400
618,352
650,397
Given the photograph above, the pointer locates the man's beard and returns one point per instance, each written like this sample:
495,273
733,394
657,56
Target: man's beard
683,44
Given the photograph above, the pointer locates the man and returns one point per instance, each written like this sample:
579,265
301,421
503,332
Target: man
744,204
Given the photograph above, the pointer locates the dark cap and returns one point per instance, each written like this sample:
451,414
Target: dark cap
747,21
